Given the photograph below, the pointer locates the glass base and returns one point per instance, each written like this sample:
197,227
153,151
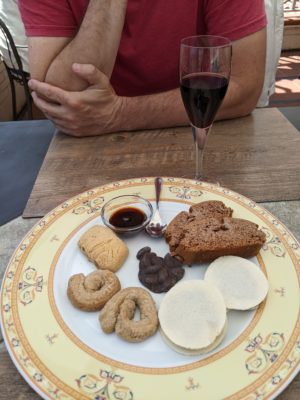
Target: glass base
208,179
205,179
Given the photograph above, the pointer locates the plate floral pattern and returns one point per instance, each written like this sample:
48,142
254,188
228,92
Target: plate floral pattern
258,366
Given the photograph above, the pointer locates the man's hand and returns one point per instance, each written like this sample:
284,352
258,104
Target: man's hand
93,111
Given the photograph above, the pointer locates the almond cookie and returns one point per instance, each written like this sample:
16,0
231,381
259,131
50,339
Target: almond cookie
118,315
91,292
103,248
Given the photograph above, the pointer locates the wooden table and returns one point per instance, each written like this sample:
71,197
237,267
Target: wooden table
129,155
257,156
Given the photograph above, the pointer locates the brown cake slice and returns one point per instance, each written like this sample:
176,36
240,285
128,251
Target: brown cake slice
211,208
202,235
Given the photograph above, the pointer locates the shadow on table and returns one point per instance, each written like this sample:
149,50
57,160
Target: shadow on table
23,146
292,114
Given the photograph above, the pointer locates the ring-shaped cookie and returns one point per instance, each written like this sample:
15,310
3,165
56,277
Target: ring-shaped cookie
91,292
118,315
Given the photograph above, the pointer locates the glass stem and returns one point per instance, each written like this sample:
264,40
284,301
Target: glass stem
200,137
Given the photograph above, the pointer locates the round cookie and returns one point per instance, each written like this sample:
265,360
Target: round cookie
241,282
193,317
194,352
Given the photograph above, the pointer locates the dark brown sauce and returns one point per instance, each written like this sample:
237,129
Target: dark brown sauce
127,217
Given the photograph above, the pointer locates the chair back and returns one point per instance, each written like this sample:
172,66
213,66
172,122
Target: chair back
16,73
275,27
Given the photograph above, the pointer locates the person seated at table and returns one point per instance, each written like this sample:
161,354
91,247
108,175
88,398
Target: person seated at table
112,65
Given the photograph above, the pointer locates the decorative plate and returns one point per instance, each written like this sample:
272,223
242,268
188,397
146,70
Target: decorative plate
63,353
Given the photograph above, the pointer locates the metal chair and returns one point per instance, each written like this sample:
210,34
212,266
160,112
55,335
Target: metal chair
16,74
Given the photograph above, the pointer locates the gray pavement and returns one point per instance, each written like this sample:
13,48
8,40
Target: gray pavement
288,212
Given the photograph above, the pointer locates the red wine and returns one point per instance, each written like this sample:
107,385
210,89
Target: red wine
127,217
202,96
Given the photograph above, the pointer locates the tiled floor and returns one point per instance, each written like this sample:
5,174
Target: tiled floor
287,93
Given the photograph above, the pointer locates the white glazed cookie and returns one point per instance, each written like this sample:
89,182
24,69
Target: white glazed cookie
103,248
194,352
193,317
241,282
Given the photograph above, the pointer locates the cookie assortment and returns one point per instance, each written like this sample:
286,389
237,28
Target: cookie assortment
192,316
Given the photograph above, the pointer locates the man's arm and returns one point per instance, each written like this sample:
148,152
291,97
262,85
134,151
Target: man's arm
247,76
96,42
246,82
98,110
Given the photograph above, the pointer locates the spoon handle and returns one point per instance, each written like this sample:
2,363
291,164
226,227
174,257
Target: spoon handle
158,183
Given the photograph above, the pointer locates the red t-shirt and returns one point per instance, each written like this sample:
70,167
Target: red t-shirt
148,57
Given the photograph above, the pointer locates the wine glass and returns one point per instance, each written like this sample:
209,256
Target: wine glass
205,65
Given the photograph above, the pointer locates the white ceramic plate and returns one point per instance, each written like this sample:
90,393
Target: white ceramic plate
63,353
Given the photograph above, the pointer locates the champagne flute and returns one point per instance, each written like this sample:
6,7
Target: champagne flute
205,66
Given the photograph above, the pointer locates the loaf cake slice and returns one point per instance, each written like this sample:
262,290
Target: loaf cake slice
210,208
202,235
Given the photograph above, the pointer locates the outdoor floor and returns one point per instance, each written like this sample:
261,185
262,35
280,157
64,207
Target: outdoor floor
287,93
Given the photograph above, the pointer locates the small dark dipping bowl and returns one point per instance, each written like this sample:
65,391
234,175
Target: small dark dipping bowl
127,214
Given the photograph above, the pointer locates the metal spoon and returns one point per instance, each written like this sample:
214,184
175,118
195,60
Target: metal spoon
156,227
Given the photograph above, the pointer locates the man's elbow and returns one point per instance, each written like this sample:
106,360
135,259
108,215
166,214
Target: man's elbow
247,106
66,81
248,101
56,76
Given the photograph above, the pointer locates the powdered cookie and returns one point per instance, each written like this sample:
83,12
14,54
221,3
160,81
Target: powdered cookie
91,292
194,352
103,248
241,282
192,317
118,315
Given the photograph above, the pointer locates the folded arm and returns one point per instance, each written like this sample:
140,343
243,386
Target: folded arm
98,110
96,42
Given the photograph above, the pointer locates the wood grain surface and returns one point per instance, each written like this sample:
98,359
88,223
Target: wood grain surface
257,156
